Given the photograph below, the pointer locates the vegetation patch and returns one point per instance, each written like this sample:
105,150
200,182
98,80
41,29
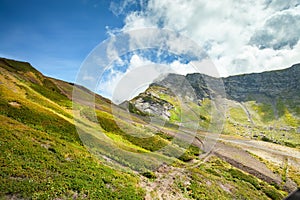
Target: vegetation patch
149,175
63,171
153,143
209,179
51,91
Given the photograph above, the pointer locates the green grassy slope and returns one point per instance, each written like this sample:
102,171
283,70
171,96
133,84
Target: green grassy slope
38,165
43,157
272,121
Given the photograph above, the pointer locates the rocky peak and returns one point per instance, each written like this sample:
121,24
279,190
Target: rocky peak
282,84
265,87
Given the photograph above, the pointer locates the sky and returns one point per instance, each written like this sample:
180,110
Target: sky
238,36
54,36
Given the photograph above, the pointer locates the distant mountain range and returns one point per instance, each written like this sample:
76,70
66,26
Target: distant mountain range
274,85
266,102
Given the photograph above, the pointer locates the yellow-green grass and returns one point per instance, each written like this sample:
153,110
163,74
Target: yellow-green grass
43,157
217,179
38,165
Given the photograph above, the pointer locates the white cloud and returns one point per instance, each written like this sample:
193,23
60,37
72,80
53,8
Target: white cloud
137,61
111,81
180,68
119,8
106,87
231,32
224,28
280,31
140,72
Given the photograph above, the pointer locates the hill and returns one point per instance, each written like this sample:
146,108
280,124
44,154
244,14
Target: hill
261,106
42,156
56,146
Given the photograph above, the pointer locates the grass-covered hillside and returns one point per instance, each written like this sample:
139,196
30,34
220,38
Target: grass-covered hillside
54,148
42,156
262,106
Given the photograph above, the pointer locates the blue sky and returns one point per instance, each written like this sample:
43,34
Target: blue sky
54,36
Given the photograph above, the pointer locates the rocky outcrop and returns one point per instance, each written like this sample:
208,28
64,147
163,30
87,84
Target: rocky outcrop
151,105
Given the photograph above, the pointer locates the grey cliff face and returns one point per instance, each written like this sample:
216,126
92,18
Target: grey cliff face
262,87
282,84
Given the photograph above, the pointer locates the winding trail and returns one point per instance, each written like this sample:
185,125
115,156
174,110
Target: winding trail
236,152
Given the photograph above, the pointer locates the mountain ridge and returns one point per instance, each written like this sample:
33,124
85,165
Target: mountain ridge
44,156
294,71
267,99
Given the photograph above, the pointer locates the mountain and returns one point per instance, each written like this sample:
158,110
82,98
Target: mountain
61,141
279,84
42,156
275,85
259,106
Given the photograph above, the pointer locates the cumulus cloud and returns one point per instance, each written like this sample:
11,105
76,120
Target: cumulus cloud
239,36
279,5
139,72
119,8
280,31
112,77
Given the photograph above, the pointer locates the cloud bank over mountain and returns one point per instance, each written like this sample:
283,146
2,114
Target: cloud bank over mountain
239,36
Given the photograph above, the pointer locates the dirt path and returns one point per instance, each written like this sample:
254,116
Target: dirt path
236,152
241,159
162,187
